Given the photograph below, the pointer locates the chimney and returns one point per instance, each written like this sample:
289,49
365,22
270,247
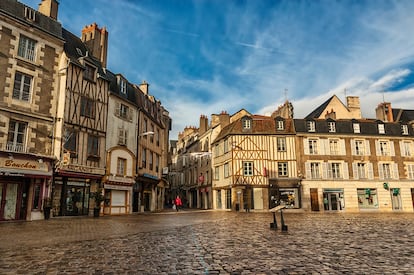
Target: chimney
49,8
224,118
203,124
354,107
384,112
144,86
96,40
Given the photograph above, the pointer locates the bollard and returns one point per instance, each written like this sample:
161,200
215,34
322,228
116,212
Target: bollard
273,225
282,221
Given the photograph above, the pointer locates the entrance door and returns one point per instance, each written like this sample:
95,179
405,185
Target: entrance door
8,205
333,201
314,199
396,198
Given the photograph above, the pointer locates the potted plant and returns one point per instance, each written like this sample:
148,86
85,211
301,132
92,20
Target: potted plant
98,198
47,206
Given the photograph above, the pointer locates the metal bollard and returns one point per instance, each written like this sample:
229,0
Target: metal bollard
273,225
282,221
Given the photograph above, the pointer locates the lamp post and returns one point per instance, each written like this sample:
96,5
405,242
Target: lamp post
139,185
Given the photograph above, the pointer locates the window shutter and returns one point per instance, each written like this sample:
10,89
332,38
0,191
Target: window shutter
353,149
377,148
395,170
345,171
308,170
306,146
355,170
367,149
392,150
118,109
370,171
380,171
342,147
325,170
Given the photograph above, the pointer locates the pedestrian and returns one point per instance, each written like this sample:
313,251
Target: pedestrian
178,203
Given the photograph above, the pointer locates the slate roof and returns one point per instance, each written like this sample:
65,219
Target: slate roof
402,115
42,22
345,126
318,111
261,125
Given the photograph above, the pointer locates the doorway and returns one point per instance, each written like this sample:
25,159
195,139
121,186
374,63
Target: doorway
13,204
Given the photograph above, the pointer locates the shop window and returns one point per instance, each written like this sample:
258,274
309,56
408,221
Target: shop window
367,198
288,197
37,188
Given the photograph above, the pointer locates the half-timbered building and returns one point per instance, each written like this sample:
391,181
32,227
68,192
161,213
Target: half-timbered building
81,121
31,43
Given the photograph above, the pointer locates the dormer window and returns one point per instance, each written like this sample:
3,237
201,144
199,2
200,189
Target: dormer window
311,126
30,14
89,72
404,129
356,127
381,129
280,125
123,86
331,127
247,124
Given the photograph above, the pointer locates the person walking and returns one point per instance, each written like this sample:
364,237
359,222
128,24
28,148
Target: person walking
178,203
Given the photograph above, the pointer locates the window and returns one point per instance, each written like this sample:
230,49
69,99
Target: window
124,111
404,129
280,125
247,168
315,170
334,146
313,146
30,13
226,170
150,161
37,188
123,86
27,48
157,137
16,136
311,126
406,148
93,146
22,86
144,159
359,147
145,126
282,169
70,140
381,129
385,171
216,173
356,127
87,107
367,198
122,136
334,170
281,144
216,150
384,148
331,127
410,171
361,168
89,72
157,163
152,131
247,124
226,145
121,167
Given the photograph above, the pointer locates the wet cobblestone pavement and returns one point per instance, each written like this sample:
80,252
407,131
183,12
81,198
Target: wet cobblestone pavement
210,242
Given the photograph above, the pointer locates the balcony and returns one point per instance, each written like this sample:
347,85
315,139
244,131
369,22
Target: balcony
15,147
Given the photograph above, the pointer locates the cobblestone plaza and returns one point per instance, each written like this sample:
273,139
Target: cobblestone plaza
211,242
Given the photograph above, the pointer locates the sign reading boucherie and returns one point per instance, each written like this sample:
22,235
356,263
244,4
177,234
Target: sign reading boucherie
22,164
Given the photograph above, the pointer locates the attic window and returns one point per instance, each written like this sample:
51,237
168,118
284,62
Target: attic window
357,129
331,127
247,124
311,126
29,13
381,129
79,51
280,125
123,86
404,129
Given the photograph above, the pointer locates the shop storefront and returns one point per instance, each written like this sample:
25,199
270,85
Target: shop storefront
24,185
284,192
118,197
367,198
333,199
145,197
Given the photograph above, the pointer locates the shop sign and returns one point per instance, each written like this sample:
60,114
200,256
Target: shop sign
22,164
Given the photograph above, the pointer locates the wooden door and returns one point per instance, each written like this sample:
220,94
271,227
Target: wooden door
314,199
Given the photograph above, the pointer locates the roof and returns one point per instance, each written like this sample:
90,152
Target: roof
319,110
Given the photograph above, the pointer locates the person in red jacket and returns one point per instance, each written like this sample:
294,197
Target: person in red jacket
178,203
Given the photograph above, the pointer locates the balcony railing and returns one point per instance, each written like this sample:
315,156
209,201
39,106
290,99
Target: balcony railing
15,147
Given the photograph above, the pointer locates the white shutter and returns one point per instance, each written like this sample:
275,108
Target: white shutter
355,170
377,148
342,147
324,170
345,171
395,170
353,149
392,149
323,145
118,109
367,148
380,171
370,169
308,172
306,146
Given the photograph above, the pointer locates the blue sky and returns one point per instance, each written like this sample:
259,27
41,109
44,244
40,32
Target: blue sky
208,56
